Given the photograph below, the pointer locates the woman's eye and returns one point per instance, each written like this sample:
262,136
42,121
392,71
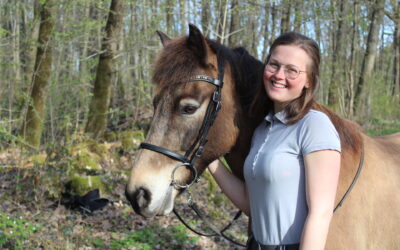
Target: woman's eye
274,66
189,109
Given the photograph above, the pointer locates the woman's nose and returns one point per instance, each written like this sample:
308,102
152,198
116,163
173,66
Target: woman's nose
280,73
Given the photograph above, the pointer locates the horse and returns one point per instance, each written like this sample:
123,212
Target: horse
367,219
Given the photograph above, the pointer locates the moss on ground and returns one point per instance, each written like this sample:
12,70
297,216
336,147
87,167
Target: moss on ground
80,185
131,139
85,161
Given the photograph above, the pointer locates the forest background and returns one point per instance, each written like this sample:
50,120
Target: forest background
360,44
79,71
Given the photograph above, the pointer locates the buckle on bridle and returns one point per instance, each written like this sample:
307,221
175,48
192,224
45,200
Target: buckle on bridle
192,169
216,96
199,151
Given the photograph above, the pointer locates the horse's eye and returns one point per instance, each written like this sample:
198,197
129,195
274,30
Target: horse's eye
189,109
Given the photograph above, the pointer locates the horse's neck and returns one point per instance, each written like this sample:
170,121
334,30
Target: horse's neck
252,108
248,121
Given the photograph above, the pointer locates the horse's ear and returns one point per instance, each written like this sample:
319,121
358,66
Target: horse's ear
197,43
163,37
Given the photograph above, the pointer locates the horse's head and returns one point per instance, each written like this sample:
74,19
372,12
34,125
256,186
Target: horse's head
180,105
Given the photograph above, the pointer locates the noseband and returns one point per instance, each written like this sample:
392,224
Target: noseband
196,150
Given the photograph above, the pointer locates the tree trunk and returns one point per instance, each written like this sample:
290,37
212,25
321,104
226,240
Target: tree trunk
169,17
254,40
33,122
15,80
286,11
183,20
337,57
29,50
396,65
369,58
317,22
233,40
97,119
205,16
352,67
395,17
221,21
266,31
298,18
274,16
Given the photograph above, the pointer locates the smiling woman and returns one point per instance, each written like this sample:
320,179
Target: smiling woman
292,169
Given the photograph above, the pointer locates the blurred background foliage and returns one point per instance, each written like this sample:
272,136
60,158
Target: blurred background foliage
349,34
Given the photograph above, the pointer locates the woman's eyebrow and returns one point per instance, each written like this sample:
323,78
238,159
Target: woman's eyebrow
276,61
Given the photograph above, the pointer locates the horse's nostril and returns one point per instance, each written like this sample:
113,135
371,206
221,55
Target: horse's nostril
142,197
139,199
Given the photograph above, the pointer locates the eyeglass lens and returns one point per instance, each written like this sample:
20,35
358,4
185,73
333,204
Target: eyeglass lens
291,71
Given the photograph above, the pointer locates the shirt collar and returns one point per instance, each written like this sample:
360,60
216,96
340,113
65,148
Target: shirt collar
280,116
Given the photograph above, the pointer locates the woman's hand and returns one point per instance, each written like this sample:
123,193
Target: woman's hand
213,166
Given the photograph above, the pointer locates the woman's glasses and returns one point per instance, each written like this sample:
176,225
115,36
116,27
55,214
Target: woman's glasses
291,71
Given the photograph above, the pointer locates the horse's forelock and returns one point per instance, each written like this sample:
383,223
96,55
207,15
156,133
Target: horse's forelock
175,64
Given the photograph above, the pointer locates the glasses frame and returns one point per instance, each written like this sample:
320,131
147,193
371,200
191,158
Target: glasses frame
285,70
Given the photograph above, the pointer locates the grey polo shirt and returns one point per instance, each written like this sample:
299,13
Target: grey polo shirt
274,174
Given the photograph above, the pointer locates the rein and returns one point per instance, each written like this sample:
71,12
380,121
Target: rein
355,179
196,150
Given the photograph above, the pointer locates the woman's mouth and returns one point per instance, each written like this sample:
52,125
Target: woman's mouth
278,84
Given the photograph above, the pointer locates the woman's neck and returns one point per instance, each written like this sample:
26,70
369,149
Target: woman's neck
278,107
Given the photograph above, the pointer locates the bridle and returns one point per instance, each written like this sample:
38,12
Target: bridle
196,150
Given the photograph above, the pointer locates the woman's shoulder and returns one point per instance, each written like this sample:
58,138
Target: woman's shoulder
317,132
315,117
316,123
316,114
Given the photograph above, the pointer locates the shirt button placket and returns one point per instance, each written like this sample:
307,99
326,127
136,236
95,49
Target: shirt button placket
267,132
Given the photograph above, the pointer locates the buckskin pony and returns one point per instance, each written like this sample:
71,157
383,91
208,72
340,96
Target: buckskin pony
369,218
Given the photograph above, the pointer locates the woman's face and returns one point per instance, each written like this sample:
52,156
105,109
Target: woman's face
281,81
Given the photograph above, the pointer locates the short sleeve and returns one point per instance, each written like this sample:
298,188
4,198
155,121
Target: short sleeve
318,133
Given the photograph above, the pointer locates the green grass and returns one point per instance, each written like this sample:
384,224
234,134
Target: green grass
155,237
15,232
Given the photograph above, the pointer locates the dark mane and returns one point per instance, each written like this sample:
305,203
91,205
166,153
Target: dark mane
247,71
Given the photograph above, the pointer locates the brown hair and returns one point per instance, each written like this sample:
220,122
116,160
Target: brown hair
297,108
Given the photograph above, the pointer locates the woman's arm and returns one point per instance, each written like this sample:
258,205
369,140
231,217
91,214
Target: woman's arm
322,176
234,188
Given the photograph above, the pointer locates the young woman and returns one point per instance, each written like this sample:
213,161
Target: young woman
292,169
